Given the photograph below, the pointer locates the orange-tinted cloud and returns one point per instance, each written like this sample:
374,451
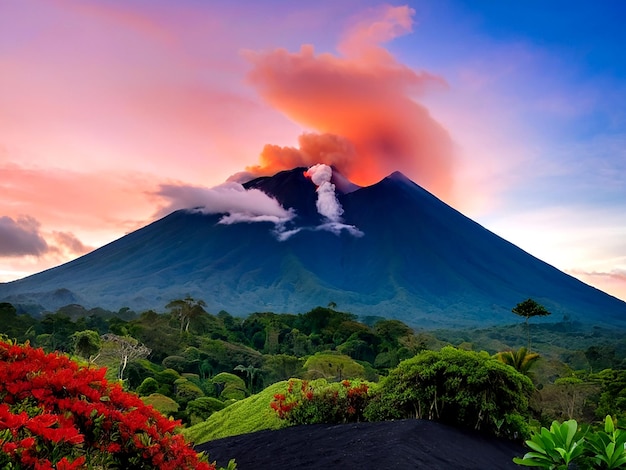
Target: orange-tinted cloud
362,101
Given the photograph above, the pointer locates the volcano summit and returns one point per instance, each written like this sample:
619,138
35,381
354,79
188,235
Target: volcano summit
391,249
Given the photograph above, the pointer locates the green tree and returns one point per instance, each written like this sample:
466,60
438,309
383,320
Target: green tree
528,309
186,310
87,344
13,325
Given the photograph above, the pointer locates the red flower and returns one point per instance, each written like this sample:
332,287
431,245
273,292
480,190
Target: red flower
74,411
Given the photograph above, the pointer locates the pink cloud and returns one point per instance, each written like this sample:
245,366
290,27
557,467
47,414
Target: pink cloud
72,244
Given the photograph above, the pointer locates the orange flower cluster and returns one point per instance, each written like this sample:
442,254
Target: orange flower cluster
55,414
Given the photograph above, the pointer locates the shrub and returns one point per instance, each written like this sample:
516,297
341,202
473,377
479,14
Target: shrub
148,387
161,403
186,391
229,386
57,414
201,408
321,402
461,388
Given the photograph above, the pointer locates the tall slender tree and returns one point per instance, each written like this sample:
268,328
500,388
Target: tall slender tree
528,309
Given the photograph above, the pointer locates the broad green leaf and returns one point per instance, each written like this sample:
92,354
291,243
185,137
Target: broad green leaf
535,446
530,463
610,450
571,427
562,452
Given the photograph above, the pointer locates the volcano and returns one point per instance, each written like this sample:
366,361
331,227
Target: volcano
397,252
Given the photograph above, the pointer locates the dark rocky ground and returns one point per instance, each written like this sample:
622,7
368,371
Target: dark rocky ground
404,444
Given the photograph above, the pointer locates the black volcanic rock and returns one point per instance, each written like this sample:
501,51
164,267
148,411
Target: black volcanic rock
418,260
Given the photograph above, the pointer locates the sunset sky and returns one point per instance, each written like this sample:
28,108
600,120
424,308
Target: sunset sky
514,113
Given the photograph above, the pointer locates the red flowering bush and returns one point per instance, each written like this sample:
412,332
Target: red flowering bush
321,402
55,414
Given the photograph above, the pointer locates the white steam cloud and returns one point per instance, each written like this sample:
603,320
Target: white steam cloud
327,204
232,199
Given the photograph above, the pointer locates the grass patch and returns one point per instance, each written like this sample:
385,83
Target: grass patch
243,417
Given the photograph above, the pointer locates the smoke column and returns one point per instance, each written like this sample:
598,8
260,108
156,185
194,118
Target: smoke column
327,204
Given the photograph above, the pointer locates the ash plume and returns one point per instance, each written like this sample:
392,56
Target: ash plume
362,104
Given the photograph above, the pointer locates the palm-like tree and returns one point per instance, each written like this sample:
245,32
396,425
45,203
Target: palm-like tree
521,360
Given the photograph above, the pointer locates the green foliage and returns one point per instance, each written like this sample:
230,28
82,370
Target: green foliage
613,395
178,363
186,391
554,448
529,308
167,376
13,325
462,388
148,387
224,356
567,397
201,408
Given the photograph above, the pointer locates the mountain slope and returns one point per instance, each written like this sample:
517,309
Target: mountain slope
418,260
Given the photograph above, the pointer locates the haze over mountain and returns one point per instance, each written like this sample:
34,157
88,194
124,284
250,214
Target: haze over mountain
391,249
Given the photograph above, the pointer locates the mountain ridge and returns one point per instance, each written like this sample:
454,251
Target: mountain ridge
418,260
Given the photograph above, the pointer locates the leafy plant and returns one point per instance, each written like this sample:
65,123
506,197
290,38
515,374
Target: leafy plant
554,449
607,447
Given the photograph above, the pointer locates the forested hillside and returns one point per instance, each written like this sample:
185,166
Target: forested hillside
189,363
